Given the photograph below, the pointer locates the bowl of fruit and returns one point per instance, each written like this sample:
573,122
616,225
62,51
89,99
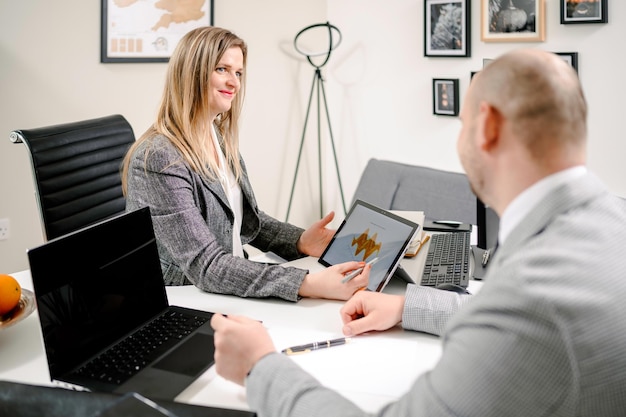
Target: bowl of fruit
16,303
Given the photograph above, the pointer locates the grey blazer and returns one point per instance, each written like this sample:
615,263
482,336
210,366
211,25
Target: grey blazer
193,224
545,336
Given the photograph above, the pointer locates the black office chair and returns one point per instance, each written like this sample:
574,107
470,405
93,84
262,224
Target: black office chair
76,169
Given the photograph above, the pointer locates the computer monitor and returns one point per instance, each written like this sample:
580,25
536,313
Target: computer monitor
487,222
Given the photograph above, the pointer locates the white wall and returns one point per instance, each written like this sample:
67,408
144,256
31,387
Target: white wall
382,83
378,85
50,73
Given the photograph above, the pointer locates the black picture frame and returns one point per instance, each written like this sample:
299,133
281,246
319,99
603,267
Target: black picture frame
486,61
570,57
573,12
447,28
131,34
446,96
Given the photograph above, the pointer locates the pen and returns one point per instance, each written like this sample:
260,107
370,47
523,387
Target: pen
451,223
357,271
315,346
486,255
423,242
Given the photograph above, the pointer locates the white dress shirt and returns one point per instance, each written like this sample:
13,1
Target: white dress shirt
233,193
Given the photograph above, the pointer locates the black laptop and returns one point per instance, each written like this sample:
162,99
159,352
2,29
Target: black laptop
106,321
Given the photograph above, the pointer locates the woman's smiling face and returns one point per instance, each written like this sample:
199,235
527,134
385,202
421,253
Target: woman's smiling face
226,81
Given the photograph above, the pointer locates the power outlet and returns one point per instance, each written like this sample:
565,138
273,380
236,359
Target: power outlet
4,229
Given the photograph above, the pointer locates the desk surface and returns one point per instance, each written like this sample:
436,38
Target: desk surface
372,370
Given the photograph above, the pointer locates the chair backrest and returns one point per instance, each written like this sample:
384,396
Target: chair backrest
76,169
441,195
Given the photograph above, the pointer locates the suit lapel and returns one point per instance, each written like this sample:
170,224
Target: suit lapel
564,198
216,188
246,189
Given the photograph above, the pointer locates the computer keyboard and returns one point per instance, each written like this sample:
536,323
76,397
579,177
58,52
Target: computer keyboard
447,260
125,359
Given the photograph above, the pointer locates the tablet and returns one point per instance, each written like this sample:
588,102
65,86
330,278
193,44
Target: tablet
369,232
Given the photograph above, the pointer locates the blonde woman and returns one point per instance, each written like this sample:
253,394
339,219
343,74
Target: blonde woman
187,168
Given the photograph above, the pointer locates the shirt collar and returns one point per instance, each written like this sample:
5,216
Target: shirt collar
523,204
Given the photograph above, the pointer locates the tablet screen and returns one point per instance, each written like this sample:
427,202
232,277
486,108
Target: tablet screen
369,232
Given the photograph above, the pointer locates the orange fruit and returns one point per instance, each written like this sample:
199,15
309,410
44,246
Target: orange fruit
10,293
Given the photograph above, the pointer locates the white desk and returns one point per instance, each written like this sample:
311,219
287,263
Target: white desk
371,371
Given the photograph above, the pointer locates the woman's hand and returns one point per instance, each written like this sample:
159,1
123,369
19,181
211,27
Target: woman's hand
327,283
315,239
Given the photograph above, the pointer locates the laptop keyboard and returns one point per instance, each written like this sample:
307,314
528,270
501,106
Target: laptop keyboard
132,354
447,260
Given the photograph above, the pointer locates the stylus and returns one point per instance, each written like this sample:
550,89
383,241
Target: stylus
357,271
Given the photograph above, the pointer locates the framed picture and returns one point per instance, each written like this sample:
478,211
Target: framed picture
486,61
148,31
512,20
447,28
570,57
446,96
584,11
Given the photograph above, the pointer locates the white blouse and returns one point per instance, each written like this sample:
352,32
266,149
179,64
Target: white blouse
233,193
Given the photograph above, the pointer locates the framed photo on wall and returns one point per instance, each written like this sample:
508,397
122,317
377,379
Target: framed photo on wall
486,61
570,57
447,28
148,31
446,96
512,20
584,11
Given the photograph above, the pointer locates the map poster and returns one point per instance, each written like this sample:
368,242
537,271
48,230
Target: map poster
149,30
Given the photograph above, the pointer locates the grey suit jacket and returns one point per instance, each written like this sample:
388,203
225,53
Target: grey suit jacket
193,224
545,336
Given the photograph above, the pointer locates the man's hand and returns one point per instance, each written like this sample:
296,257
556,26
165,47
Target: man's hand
367,311
315,239
239,344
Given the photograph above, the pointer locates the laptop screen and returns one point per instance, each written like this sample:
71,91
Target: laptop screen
95,285
369,232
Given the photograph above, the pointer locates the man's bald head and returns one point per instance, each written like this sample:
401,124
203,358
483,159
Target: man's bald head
540,95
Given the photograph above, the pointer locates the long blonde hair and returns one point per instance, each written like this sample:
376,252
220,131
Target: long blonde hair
184,108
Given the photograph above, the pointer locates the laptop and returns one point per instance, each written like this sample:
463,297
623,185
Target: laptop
367,233
100,295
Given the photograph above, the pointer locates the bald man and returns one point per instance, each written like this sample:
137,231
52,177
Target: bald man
546,335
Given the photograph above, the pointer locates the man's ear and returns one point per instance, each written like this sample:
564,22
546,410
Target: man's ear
492,125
